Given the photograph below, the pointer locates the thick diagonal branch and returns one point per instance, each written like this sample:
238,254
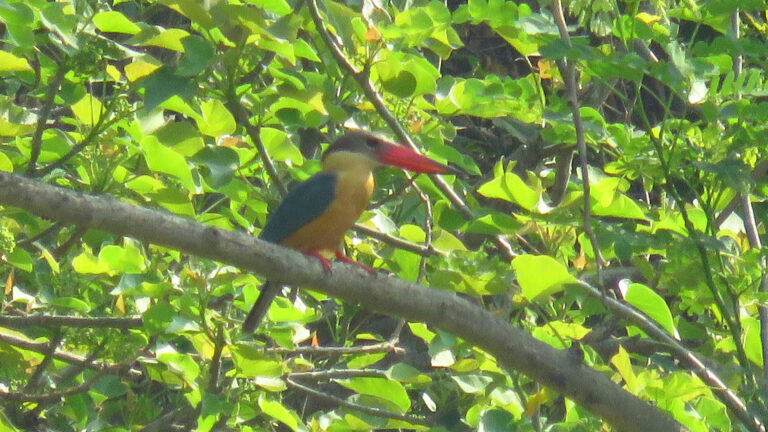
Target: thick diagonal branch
514,349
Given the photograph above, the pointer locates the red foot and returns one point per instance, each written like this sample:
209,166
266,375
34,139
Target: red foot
343,258
323,260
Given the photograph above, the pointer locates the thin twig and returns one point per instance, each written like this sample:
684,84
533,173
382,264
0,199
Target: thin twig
53,396
338,374
213,374
333,351
67,357
568,70
54,321
72,371
357,407
242,117
42,119
67,245
750,224
36,379
99,127
53,229
397,242
394,338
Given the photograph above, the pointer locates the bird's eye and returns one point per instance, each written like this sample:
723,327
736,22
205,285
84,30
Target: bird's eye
372,142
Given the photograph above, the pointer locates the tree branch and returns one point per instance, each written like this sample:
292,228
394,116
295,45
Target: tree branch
67,357
513,348
568,70
42,120
53,321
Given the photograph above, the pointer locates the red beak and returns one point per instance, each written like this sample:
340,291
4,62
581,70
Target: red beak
402,157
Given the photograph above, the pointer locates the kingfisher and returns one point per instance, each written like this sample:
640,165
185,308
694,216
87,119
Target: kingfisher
314,217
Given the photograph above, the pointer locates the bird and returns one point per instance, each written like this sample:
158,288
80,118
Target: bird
315,216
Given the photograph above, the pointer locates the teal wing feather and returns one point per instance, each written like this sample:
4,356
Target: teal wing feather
301,206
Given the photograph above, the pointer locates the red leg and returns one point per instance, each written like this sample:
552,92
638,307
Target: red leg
323,260
343,258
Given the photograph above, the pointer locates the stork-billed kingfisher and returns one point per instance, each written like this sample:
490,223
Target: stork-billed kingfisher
314,217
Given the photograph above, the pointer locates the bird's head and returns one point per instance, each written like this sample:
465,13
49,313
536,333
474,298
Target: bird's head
364,147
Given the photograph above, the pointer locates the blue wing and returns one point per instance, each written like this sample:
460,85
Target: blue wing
304,204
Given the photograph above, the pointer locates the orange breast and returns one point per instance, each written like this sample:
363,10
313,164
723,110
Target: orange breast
326,233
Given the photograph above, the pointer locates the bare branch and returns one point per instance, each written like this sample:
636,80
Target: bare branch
338,374
42,119
334,351
568,70
51,396
67,357
54,321
397,242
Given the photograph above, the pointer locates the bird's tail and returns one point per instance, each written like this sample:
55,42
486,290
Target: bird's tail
259,310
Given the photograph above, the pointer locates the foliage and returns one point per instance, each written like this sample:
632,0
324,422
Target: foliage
207,109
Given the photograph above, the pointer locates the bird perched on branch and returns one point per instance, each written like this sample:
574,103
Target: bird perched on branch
316,215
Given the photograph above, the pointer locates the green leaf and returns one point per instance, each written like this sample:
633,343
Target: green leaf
165,38
279,146
388,390
174,200
507,186
157,318
19,258
279,412
364,360
71,303
192,9
5,161
114,22
608,200
494,223
406,373
11,63
183,137
164,160
88,110
540,276
623,365
472,384
496,420
163,83
88,263
216,119
123,259
403,85
180,364
651,304
752,340
111,386
279,7
198,54
221,163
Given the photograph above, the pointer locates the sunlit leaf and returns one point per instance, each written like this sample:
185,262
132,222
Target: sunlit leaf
114,22
382,388
164,160
540,276
11,63
651,304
